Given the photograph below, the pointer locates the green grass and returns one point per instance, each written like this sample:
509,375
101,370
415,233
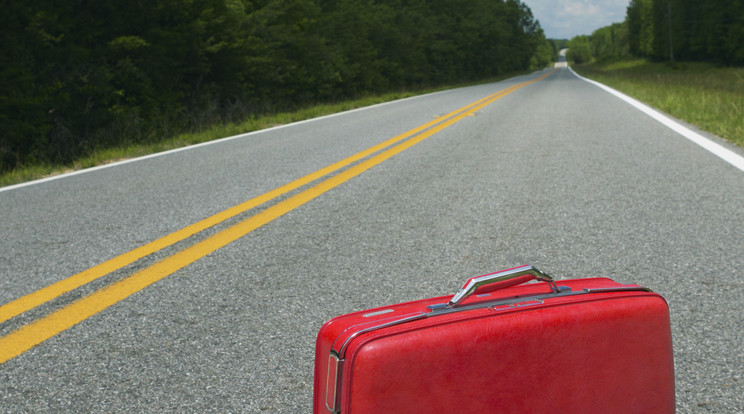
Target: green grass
702,94
109,155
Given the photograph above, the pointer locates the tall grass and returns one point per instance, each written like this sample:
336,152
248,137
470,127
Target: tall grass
702,94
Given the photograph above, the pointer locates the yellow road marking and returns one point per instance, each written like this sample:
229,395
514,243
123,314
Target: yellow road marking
48,293
42,329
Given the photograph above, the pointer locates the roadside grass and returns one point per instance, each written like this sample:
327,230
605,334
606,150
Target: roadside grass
702,94
110,155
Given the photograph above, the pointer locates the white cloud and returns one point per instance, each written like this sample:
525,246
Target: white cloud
564,19
579,9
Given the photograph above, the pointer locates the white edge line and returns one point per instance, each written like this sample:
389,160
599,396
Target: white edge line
203,144
716,149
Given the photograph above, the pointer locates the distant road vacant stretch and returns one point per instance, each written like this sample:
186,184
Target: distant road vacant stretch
561,63
196,280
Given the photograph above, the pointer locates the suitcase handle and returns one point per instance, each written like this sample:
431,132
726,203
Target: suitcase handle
501,280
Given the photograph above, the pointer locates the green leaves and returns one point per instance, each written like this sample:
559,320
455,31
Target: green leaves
128,43
579,50
77,76
711,30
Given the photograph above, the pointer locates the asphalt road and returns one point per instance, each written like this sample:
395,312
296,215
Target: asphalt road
558,174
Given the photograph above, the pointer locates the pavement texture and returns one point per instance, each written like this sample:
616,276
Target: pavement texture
558,174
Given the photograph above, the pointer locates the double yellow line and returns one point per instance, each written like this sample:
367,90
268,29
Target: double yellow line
42,329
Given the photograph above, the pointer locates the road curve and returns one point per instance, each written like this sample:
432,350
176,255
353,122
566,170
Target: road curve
557,173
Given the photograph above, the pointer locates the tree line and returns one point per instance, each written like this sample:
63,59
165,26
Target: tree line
80,75
686,30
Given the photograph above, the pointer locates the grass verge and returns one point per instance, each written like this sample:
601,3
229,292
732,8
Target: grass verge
109,155
702,94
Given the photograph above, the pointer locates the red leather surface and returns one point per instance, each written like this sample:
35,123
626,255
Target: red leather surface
598,353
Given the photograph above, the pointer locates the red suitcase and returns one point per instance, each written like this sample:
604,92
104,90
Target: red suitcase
571,346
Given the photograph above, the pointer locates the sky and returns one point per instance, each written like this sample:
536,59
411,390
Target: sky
564,19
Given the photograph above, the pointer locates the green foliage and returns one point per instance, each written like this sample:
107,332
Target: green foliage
579,50
711,30
79,76
558,45
610,42
544,55
640,23
684,30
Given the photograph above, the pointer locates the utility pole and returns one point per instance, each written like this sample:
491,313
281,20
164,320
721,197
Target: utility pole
671,42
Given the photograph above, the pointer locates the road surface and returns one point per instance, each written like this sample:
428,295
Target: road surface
196,280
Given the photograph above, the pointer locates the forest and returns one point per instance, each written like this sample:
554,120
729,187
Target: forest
79,75
670,30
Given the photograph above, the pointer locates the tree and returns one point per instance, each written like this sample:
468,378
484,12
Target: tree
77,75
610,42
579,50
641,23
